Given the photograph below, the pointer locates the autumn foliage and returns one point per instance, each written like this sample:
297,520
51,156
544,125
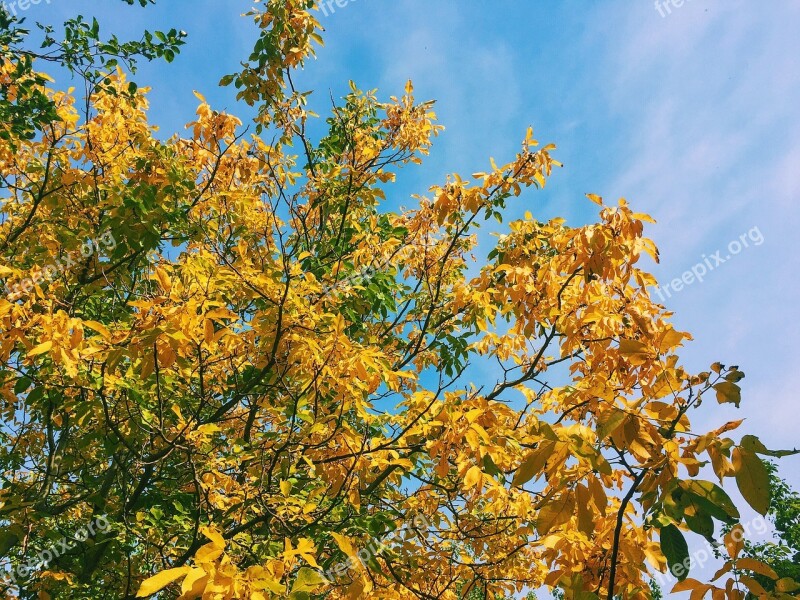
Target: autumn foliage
271,368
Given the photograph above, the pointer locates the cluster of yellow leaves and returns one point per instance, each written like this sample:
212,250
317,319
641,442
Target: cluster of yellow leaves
529,168
214,576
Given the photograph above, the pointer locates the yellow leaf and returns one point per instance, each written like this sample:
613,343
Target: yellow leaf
275,586
163,279
729,392
754,587
359,589
214,535
473,478
41,349
555,513
533,463
726,568
57,576
636,352
786,584
208,553
160,581
208,331
345,545
734,541
306,549
166,356
194,584
598,495
686,585
585,514
610,424
99,328
751,564
670,339
752,478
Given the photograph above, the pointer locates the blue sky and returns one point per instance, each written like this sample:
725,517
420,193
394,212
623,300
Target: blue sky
692,116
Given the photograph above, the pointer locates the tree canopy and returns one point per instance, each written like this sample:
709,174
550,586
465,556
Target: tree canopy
231,368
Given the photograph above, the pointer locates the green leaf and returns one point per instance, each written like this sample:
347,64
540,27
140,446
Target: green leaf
23,383
712,499
674,508
752,477
753,444
701,524
8,539
735,375
307,581
35,395
489,466
676,551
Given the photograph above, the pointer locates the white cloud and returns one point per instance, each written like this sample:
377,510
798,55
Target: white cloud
712,92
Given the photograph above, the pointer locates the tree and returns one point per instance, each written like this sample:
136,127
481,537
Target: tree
229,369
782,558
25,106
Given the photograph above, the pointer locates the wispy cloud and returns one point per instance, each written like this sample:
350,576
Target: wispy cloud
711,94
